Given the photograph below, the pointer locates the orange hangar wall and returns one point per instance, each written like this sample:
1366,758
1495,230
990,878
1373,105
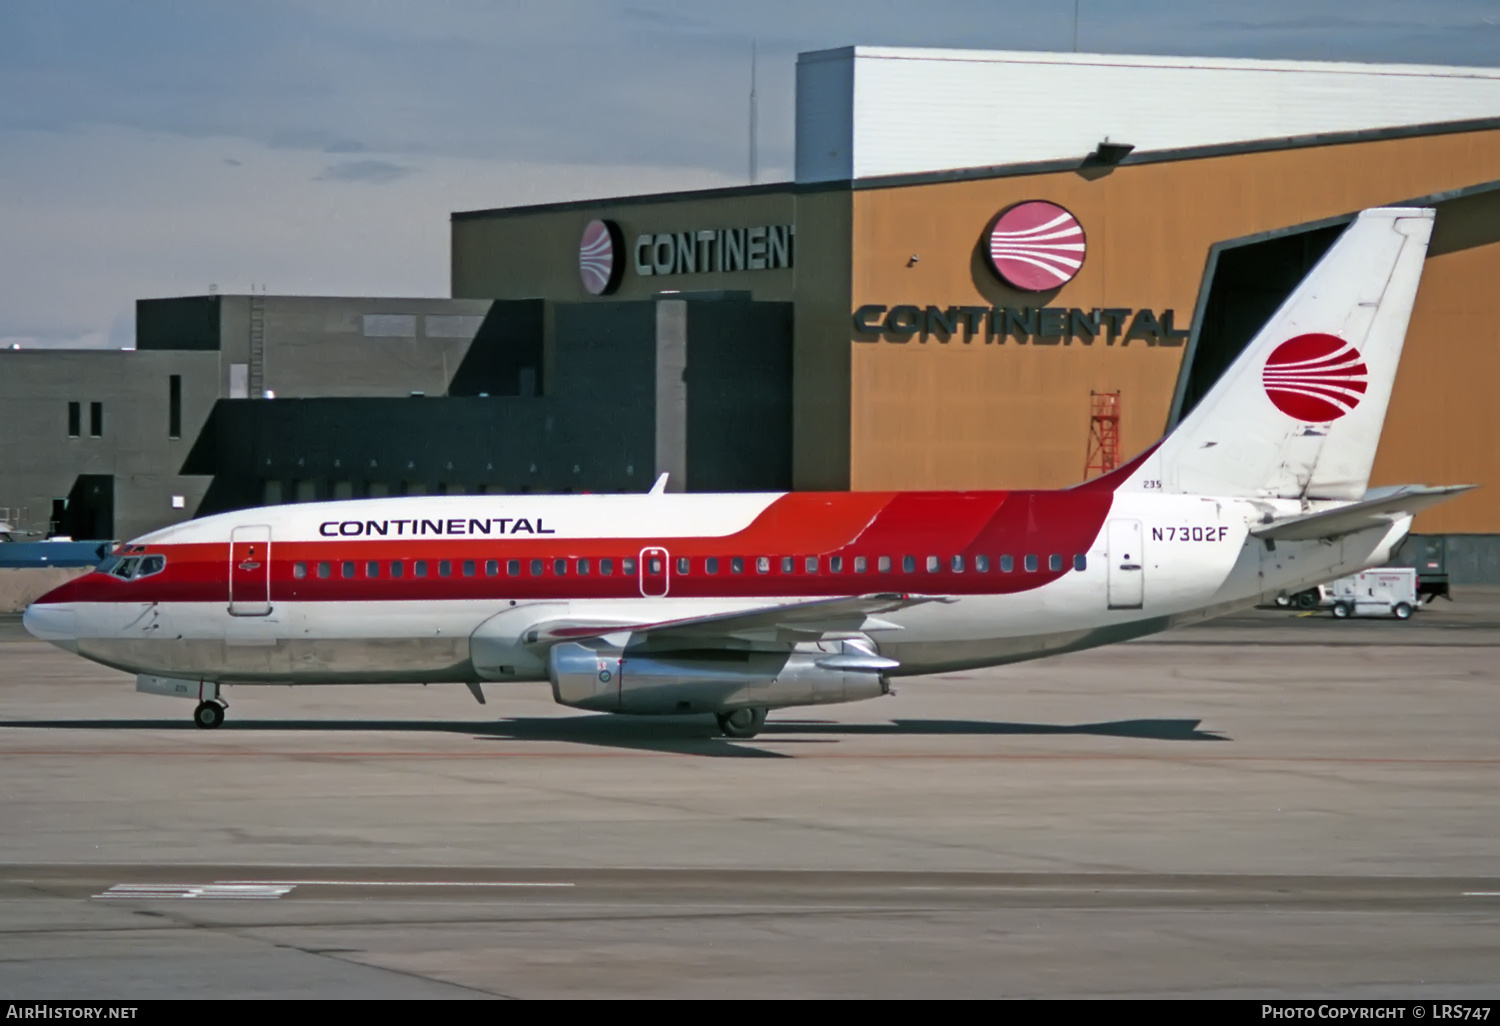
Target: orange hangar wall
960,379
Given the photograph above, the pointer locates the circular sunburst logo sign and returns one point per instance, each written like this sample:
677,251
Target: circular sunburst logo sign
599,257
1316,378
1036,246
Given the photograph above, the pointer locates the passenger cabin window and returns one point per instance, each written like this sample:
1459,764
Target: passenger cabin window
934,564
372,569
606,568
583,567
711,565
419,568
883,564
653,565
835,564
325,570
860,564
908,564
513,568
627,566
397,568
736,564
1007,564
682,564
787,564
445,568
1080,562
536,567
492,568
981,564
762,564
347,571
560,567
1031,564
1054,562
469,568
810,564
957,564
299,570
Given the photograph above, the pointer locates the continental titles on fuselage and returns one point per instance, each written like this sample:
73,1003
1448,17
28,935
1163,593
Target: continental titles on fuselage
447,527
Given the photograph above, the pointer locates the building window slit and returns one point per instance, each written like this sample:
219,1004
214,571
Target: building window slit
174,406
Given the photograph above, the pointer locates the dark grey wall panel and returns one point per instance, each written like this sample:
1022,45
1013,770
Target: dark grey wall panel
188,322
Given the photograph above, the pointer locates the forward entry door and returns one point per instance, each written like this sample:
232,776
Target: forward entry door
1127,565
655,572
250,571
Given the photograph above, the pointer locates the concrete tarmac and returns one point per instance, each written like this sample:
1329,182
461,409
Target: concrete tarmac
1266,806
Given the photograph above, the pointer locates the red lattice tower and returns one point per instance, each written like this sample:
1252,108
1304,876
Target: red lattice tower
1104,433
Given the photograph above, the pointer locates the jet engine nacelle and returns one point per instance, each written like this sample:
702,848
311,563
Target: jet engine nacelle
650,682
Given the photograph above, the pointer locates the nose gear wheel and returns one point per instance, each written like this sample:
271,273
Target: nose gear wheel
208,715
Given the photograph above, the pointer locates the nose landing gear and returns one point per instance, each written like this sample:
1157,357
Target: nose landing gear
208,715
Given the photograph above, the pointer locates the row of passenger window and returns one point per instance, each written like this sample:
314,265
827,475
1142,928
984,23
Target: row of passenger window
468,567
684,566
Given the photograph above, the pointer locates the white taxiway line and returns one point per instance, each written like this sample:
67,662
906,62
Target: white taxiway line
398,883
1482,894
237,891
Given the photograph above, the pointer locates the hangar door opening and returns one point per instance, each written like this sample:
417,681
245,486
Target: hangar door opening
1246,281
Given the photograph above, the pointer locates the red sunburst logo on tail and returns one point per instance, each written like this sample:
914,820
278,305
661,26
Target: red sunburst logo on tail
1316,378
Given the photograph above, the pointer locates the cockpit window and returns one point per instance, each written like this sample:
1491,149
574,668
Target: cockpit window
130,568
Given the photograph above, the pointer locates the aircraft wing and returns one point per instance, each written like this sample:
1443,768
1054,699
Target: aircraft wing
1358,516
787,623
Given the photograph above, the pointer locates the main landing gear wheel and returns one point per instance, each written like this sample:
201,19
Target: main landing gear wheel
742,723
208,715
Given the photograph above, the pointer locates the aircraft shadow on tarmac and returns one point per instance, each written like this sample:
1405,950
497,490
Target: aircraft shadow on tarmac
679,734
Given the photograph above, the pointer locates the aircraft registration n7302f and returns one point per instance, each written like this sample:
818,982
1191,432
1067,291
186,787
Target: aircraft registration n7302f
736,604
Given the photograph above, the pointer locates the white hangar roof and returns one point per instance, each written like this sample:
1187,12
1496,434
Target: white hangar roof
866,112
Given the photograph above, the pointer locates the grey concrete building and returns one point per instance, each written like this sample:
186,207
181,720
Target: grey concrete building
235,401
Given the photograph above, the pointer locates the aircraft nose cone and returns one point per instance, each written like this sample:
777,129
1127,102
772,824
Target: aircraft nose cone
51,622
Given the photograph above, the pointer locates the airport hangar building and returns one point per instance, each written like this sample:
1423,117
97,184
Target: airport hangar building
976,246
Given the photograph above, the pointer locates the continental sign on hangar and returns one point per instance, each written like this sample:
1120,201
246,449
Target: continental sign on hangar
975,241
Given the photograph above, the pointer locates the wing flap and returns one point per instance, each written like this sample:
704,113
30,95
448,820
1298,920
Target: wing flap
1359,516
785,623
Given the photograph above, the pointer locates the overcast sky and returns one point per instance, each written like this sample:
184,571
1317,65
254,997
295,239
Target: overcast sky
156,148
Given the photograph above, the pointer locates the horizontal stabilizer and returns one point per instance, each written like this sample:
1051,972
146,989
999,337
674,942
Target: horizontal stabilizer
1358,516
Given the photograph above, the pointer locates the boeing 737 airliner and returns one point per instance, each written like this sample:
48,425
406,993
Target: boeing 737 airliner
737,604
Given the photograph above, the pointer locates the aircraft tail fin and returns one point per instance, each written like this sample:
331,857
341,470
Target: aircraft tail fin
1298,415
